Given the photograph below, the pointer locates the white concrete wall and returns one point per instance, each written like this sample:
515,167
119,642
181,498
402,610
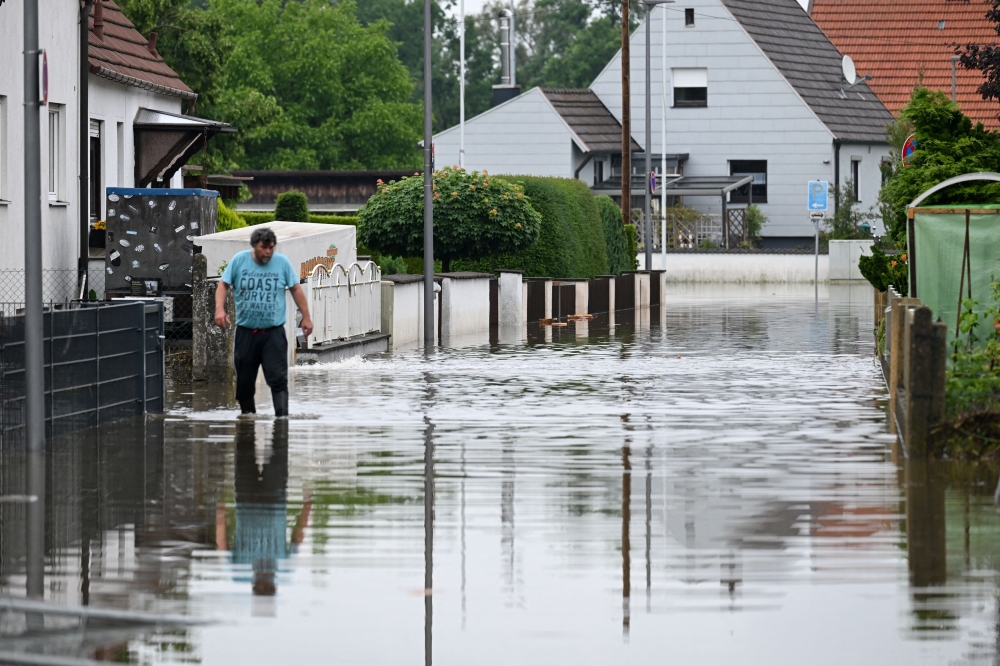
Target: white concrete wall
403,313
869,158
743,268
465,306
752,113
523,136
844,256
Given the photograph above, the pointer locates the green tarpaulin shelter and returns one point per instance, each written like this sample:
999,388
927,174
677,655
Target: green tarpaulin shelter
936,246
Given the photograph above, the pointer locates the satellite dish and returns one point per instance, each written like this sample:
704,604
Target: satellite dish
850,73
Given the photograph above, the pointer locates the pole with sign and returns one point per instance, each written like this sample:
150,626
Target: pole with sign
817,202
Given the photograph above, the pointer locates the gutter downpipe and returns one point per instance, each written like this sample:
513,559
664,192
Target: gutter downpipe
84,262
836,173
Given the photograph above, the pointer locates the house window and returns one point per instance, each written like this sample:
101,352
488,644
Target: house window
856,179
55,150
755,168
690,86
689,16
96,181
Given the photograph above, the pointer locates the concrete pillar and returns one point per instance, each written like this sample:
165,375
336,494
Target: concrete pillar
211,347
388,309
642,290
511,292
581,297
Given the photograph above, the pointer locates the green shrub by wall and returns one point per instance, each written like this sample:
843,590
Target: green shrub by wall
291,206
571,242
616,237
632,237
228,218
253,219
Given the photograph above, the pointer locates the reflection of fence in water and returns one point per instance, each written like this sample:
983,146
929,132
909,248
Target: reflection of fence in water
345,302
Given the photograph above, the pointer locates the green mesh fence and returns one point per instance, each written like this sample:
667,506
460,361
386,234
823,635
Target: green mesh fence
937,248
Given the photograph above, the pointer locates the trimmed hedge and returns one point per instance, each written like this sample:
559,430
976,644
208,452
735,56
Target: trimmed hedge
620,246
291,206
571,242
253,219
633,245
228,218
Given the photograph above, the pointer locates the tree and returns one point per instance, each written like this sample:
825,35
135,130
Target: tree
948,145
475,216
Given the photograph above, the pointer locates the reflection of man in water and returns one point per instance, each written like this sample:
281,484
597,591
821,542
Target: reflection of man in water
261,507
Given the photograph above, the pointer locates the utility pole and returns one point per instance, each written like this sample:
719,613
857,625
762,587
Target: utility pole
461,84
428,186
626,121
34,377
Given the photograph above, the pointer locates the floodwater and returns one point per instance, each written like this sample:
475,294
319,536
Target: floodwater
713,485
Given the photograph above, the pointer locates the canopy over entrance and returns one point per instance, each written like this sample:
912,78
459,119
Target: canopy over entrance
165,141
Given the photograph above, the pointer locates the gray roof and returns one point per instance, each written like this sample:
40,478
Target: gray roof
589,119
812,65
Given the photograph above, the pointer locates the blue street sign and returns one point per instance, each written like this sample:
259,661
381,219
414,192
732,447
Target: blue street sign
817,194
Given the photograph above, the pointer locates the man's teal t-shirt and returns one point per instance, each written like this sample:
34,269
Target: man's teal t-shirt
259,290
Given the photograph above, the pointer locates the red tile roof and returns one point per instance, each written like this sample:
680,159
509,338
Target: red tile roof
123,55
905,43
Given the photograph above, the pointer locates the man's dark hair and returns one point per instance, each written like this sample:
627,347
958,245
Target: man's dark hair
263,235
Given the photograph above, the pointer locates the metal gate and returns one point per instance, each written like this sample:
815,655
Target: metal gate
102,363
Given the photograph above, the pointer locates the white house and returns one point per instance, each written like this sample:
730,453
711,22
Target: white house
752,87
137,133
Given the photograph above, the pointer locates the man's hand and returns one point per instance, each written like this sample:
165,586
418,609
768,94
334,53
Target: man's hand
221,319
307,325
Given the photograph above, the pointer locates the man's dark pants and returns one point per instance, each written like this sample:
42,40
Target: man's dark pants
256,347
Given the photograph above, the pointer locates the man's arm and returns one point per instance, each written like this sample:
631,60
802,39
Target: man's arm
300,300
221,318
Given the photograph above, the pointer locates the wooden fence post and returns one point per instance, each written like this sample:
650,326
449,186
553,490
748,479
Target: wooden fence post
895,346
925,352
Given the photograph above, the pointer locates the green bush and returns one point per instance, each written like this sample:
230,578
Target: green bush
291,206
882,270
253,219
755,222
327,218
615,237
633,245
475,215
571,240
228,219
392,265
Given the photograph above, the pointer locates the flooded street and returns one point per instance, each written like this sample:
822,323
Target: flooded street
713,486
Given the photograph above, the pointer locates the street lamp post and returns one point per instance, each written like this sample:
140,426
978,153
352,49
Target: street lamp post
428,186
648,225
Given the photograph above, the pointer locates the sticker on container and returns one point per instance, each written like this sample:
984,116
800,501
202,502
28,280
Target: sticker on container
124,218
128,196
152,230
135,263
194,225
111,212
140,247
112,197
124,243
152,203
164,267
110,270
190,237
133,208
173,204
131,233
128,278
187,285
180,229
156,246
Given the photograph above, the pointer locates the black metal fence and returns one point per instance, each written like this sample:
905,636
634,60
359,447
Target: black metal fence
103,362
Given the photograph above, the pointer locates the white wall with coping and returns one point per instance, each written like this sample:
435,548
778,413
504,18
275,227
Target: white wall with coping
844,256
742,268
299,241
465,304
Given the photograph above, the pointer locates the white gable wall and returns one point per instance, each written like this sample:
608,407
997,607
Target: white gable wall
523,136
112,103
58,34
752,113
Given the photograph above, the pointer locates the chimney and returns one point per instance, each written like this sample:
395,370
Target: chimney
506,90
151,43
99,19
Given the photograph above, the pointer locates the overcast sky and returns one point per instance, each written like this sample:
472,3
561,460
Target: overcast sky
474,6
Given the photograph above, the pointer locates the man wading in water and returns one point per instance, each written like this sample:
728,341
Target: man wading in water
259,278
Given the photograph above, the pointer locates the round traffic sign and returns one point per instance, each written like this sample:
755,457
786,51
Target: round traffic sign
909,146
